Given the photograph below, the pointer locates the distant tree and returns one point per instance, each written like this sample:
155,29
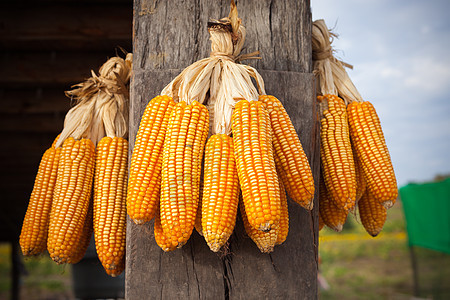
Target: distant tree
440,177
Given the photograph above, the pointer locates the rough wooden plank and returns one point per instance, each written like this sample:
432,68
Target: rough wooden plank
273,27
287,273
62,26
196,272
167,38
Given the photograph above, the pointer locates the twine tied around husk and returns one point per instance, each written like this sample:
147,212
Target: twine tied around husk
332,76
220,81
101,103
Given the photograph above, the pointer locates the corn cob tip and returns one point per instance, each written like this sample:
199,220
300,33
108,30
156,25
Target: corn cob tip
215,247
338,227
266,227
114,270
266,249
388,204
139,221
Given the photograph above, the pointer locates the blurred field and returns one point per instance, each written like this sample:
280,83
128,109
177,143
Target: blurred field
357,266
41,277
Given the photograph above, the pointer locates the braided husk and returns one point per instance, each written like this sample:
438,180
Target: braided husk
219,81
101,103
331,74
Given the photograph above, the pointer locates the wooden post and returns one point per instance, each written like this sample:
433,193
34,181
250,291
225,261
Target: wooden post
168,37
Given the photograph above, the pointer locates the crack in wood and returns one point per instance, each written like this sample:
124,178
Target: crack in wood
195,271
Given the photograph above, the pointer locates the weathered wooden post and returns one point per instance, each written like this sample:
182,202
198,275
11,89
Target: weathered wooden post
167,37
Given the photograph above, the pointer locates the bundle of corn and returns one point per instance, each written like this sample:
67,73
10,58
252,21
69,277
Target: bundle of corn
249,140
336,155
374,173
62,214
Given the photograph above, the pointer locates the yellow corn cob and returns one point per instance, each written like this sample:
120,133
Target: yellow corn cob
181,169
372,213
336,153
252,136
33,237
145,171
368,141
110,190
321,223
70,199
331,215
161,239
198,216
283,226
265,241
290,159
86,235
221,191
360,181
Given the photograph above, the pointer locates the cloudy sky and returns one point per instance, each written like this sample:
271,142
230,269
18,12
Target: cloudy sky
401,56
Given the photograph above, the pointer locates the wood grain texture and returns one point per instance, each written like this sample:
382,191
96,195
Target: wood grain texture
169,38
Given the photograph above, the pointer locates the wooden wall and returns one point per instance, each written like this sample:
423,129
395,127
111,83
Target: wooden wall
45,48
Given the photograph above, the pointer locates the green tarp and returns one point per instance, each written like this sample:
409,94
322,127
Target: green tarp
427,212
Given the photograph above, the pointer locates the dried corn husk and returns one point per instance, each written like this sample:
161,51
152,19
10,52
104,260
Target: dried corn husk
102,103
333,78
219,81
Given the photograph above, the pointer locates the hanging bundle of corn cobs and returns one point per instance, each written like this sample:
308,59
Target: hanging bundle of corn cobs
91,151
355,162
250,148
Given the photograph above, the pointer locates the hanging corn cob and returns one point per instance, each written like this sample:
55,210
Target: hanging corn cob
265,241
146,161
85,238
283,227
33,237
181,168
360,180
290,159
252,137
371,149
70,199
336,153
198,216
321,223
161,239
110,183
330,214
221,191
372,213
110,188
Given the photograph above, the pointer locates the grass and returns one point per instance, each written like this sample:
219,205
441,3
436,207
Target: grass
357,266
41,277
